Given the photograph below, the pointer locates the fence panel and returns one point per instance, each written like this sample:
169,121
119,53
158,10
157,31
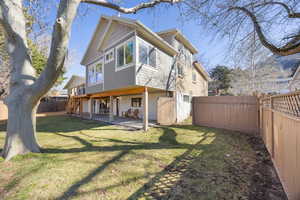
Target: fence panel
281,133
228,112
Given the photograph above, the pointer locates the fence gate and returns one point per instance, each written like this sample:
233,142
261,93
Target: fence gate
239,113
166,111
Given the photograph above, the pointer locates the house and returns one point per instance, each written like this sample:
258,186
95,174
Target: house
295,82
129,68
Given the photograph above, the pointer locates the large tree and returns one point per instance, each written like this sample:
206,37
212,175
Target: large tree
221,78
275,24
26,88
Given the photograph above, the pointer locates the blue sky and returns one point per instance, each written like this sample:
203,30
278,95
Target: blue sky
157,19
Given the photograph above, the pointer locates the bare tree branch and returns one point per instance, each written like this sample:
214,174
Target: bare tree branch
290,12
134,9
292,47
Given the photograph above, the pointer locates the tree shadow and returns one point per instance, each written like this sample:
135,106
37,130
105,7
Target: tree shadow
72,191
167,142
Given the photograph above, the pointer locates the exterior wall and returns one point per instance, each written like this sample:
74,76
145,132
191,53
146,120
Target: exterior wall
113,79
125,104
169,38
116,32
85,106
92,51
161,77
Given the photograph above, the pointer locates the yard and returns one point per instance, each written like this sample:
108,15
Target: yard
88,160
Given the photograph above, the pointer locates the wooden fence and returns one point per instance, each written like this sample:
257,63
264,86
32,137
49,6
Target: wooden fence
166,111
276,118
227,112
280,130
3,111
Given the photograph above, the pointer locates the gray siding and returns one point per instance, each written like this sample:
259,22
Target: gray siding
118,79
94,88
114,79
162,77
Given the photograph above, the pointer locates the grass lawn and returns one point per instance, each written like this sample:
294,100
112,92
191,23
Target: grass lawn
88,160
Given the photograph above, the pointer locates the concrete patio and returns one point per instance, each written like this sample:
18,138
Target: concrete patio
130,123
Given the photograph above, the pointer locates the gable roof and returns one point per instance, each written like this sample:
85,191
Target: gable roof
180,37
138,26
202,71
80,81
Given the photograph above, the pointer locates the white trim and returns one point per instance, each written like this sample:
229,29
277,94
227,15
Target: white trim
104,34
109,52
116,56
94,65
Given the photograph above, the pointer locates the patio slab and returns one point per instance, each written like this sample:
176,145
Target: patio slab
124,122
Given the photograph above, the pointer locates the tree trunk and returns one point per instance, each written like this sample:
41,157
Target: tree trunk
20,135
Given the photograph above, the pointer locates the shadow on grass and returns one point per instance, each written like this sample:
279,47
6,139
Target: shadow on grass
173,172
167,141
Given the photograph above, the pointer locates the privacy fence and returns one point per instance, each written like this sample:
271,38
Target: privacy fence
280,130
276,119
239,113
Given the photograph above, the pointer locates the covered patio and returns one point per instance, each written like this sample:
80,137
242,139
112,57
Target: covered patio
124,121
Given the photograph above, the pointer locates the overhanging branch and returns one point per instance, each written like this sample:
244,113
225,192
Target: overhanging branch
134,9
291,47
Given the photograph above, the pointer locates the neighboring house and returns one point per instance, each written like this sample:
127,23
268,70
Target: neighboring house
295,82
75,86
129,67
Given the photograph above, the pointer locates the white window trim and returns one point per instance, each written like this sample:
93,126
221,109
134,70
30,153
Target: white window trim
94,65
116,55
113,56
156,58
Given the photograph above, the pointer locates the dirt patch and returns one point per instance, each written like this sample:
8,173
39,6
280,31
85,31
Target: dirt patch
265,181
222,170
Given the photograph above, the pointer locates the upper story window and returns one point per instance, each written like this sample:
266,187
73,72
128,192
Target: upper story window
147,54
186,98
109,56
194,77
95,73
125,54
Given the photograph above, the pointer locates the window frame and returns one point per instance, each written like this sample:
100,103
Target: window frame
194,75
184,96
147,44
124,66
93,67
111,51
139,102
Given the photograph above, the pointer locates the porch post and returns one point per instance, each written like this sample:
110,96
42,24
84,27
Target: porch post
111,108
145,109
91,107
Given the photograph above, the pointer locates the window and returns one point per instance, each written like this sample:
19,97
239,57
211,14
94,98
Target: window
95,73
147,54
125,54
136,102
186,98
109,56
179,69
194,77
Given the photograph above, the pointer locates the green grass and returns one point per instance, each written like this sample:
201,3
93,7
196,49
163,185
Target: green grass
88,160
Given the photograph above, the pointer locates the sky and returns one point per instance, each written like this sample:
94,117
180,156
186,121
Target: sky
157,19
